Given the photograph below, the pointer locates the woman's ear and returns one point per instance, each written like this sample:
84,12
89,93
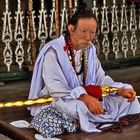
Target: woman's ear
70,28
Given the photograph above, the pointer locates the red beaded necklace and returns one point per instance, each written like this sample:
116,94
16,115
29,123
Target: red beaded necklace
69,47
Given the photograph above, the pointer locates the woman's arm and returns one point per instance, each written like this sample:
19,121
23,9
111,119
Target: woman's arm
125,90
101,78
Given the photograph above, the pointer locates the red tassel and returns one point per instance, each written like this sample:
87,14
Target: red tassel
94,90
66,47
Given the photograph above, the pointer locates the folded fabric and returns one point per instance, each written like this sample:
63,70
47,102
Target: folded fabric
20,124
94,90
50,122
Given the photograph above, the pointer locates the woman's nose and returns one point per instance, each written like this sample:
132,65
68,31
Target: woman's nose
88,36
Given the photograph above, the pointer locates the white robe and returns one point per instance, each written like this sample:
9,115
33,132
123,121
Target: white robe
54,75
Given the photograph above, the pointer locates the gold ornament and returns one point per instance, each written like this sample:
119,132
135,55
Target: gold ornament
107,90
30,102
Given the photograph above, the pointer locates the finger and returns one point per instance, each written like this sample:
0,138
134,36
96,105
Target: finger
132,91
94,111
131,99
134,94
128,95
101,110
98,111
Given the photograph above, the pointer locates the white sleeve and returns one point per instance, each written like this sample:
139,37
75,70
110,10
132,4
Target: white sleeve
101,78
55,80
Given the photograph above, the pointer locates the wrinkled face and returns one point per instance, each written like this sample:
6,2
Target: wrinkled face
83,33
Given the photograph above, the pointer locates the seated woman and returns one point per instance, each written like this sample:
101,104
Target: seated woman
66,69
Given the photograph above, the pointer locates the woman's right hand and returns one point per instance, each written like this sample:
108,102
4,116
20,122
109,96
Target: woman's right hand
92,103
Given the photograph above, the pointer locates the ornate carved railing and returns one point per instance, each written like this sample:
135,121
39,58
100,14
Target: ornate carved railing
27,29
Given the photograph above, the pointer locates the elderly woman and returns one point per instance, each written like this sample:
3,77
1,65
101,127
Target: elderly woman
66,69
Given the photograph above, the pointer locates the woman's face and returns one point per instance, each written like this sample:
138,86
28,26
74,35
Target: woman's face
83,33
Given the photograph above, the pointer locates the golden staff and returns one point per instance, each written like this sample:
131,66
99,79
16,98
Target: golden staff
47,100
30,102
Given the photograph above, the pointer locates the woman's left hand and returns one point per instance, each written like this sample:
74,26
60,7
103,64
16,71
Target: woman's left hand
128,93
